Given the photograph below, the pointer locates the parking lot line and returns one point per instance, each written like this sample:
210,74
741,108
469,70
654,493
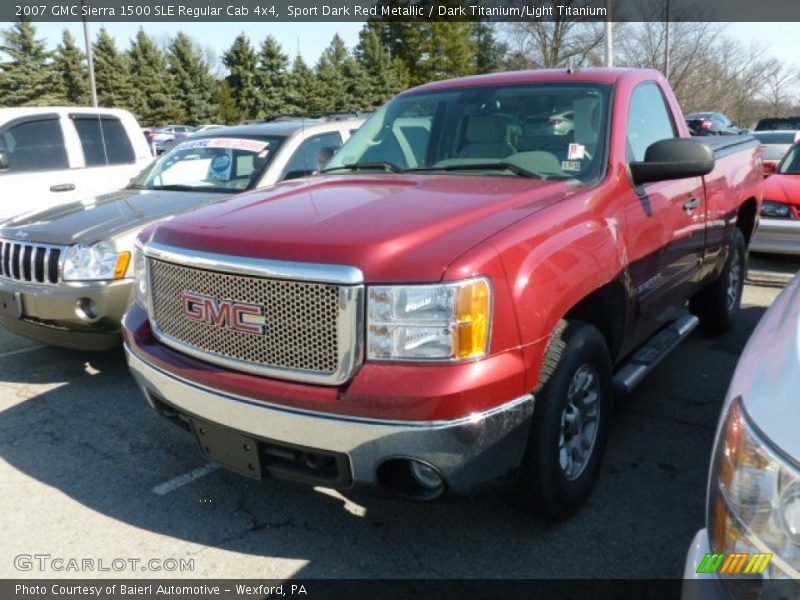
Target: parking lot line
165,488
21,350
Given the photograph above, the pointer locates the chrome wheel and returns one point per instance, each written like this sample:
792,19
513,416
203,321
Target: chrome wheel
734,281
579,422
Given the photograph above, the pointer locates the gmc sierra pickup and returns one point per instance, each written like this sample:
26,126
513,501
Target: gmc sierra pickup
458,297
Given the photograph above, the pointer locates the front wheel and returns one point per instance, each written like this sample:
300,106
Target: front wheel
717,304
570,423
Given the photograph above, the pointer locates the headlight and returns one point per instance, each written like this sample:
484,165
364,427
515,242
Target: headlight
96,262
754,501
140,274
442,322
770,208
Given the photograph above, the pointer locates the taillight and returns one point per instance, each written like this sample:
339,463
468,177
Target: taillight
706,124
796,211
555,121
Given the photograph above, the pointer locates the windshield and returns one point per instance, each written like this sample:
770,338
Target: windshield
786,138
791,163
213,164
549,130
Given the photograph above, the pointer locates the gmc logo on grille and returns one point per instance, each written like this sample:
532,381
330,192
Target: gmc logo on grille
229,314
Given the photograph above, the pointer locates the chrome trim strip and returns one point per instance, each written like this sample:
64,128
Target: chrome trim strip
257,267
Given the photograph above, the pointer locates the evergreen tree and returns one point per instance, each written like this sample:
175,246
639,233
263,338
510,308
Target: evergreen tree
26,77
448,50
192,84
242,63
332,73
490,53
272,78
384,76
111,73
227,111
154,91
69,63
305,93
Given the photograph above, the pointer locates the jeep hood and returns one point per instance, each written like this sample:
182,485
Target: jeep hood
393,227
104,218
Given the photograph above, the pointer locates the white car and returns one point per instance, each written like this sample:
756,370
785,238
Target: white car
53,155
750,547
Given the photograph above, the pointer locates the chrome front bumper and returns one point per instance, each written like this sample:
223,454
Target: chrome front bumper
466,451
777,236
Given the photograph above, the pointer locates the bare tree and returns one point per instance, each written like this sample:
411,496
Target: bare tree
779,85
550,44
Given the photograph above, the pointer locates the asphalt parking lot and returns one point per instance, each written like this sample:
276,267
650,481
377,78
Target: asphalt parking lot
87,471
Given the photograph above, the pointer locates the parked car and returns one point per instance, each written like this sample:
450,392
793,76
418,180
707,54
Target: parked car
65,277
710,123
51,155
560,123
775,145
779,228
441,308
778,123
749,546
159,136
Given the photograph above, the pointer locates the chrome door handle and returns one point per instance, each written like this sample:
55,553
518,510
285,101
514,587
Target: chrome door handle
62,187
691,204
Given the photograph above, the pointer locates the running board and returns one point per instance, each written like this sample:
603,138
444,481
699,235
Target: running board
650,355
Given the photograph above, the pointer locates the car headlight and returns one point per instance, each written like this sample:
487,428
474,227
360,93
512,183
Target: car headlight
440,322
753,501
95,262
770,208
140,274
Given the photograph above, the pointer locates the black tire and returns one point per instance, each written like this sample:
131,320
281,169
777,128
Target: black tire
544,485
717,304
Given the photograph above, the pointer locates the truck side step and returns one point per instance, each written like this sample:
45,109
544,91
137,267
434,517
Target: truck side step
650,355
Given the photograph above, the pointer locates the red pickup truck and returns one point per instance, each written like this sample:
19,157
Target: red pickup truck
459,296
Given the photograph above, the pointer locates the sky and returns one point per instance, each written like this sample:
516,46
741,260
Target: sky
310,39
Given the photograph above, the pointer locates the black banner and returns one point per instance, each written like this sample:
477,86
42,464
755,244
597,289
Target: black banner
400,10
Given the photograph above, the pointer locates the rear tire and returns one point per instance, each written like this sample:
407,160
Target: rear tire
717,304
570,423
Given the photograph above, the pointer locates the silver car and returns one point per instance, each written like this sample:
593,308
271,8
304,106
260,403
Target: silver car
750,547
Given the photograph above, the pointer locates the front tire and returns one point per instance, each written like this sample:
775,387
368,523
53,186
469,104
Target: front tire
717,304
570,423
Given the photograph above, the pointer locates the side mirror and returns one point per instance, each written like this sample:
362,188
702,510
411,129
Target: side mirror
769,168
675,158
5,163
298,174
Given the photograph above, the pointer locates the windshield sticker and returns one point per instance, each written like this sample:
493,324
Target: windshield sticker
220,168
228,143
576,152
571,165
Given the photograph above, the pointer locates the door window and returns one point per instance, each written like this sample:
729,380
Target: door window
104,140
649,120
306,158
35,146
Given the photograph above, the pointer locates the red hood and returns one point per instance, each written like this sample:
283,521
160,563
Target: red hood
394,228
783,188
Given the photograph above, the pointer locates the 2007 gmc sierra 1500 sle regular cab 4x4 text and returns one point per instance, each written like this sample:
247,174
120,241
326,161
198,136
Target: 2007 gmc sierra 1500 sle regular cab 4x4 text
458,297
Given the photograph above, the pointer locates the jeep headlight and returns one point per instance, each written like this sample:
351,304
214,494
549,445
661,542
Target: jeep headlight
440,322
84,262
754,501
140,274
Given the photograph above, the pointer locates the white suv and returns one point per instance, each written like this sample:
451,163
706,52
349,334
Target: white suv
53,155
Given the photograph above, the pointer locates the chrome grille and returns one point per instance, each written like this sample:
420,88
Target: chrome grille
36,263
311,328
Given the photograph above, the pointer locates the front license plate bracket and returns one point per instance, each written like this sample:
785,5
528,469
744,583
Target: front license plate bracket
237,452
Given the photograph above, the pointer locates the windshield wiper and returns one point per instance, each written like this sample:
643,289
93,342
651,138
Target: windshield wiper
385,166
505,166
